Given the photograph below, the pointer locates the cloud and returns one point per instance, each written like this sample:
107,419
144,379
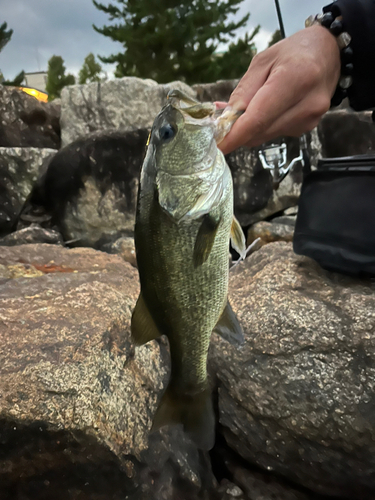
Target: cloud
43,28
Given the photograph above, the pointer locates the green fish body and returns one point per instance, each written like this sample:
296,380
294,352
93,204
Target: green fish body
183,226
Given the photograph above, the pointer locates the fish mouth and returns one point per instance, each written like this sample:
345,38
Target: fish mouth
204,114
189,107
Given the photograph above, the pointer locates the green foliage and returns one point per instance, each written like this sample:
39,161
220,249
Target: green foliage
5,35
56,77
173,39
234,62
17,80
276,37
91,71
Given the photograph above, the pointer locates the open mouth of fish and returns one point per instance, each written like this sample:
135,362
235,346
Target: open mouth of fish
204,114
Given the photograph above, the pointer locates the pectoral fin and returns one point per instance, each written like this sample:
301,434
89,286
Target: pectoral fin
207,201
229,327
237,238
143,327
205,239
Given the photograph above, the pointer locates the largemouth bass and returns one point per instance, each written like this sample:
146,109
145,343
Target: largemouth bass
183,226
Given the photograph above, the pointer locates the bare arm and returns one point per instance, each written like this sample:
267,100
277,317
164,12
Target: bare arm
286,89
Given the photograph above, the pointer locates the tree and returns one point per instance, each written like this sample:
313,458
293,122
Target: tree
5,35
276,37
170,39
91,71
234,62
56,77
17,80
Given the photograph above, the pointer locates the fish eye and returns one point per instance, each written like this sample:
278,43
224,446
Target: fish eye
167,132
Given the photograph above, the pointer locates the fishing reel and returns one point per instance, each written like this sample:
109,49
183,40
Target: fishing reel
274,158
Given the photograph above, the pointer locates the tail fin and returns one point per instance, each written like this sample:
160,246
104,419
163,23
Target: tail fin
195,412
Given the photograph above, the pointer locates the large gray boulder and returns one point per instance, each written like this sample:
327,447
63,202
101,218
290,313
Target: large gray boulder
218,91
27,122
77,397
90,187
298,397
279,229
19,170
345,133
32,234
128,103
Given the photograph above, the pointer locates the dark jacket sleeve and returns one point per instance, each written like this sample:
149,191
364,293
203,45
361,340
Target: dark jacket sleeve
359,21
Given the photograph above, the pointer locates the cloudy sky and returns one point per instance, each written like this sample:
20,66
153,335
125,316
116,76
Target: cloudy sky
42,28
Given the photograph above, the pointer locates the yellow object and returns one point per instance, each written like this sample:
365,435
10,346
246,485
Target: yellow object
38,94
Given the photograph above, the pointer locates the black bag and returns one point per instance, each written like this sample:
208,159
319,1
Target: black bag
336,217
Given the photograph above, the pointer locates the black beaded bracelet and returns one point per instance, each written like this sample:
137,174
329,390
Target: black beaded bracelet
332,20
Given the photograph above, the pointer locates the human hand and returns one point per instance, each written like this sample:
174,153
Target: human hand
286,90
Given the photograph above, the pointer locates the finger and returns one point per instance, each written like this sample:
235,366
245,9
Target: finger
282,129
298,120
250,83
271,101
220,104
295,122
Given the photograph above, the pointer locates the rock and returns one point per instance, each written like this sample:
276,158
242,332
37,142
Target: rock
77,397
291,211
298,397
345,133
218,91
254,195
32,234
252,482
314,147
124,247
257,486
90,187
74,380
230,491
287,220
27,122
269,232
128,103
19,171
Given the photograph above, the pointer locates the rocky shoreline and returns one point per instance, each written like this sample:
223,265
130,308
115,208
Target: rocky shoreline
294,404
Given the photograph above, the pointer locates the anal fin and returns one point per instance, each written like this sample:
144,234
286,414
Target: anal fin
143,327
229,327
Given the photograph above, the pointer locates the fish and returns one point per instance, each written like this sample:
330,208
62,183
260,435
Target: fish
184,223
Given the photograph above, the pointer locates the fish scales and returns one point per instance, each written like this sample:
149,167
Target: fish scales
186,302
